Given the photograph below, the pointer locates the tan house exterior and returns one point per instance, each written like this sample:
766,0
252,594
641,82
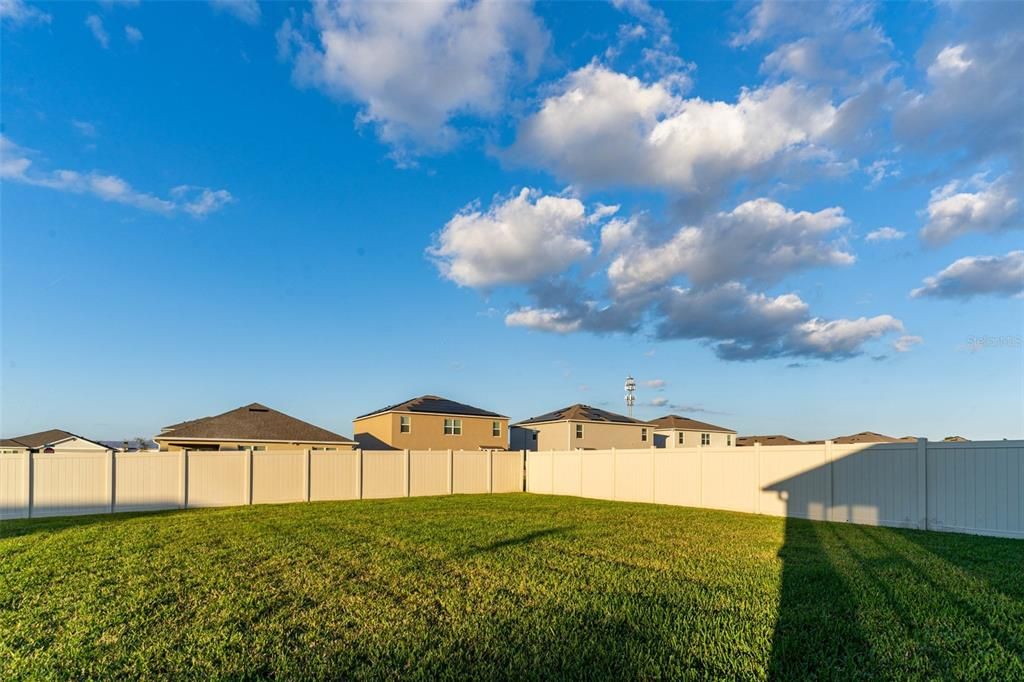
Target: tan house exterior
581,427
49,442
673,431
431,422
252,427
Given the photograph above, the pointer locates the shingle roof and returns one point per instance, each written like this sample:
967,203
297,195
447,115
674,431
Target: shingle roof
43,438
871,437
674,421
767,440
434,405
253,422
582,413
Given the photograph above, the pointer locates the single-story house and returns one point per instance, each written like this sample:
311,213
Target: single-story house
673,431
748,441
52,441
581,427
431,422
253,427
867,437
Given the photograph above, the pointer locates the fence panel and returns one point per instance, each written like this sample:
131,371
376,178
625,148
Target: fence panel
333,475
145,481
429,472
729,478
14,485
977,487
538,472
794,481
677,477
278,476
469,471
71,483
507,472
218,479
597,479
634,475
566,472
383,474
875,484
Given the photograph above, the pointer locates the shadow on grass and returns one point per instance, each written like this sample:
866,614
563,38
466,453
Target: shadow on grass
14,528
519,540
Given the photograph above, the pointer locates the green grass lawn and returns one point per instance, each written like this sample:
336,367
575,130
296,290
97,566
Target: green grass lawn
501,586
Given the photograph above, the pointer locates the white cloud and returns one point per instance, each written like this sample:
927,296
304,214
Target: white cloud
15,166
517,240
619,233
84,128
603,128
970,102
954,211
655,383
904,343
883,234
977,276
14,13
247,11
416,66
658,402
201,201
759,240
132,34
744,325
542,320
95,25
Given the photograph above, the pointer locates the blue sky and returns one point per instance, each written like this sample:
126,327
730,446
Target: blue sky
777,224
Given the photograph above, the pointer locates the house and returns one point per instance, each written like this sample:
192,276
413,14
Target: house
870,437
431,422
673,431
748,441
52,441
581,427
252,427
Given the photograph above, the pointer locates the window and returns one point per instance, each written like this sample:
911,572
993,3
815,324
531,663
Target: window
405,424
254,448
535,435
728,439
682,437
643,435
579,430
705,439
323,449
496,429
452,427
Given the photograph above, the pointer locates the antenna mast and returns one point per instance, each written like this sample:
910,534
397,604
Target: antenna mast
630,397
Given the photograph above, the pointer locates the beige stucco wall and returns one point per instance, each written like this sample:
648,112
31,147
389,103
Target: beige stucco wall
171,445
596,436
427,431
691,439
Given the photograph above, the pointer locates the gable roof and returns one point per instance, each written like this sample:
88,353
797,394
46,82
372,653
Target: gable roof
582,413
871,437
44,438
674,421
252,422
777,439
432,404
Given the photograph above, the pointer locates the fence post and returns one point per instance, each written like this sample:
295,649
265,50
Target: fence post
183,472
700,477
111,482
248,476
757,469
829,475
407,472
490,471
451,471
28,483
525,473
306,469
359,474
922,483
615,467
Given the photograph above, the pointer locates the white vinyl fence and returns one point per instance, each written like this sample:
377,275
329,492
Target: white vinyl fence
972,487
95,483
